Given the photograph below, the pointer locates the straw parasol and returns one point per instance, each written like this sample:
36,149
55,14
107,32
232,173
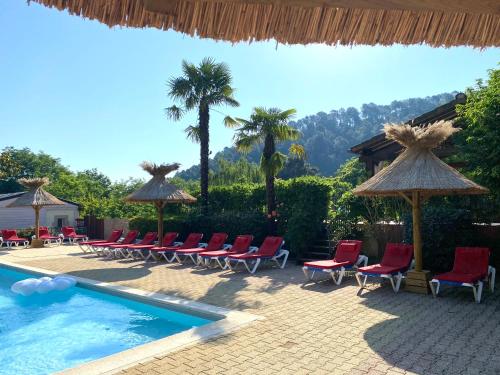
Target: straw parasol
37,198
159,191
417,173
346,22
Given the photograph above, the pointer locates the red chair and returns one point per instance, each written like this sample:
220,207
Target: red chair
471,269
192,241
101,248
69,234
9,238
347,256
396,261
168,240
216,243
123,249
48,239
271,249
115,235
240,245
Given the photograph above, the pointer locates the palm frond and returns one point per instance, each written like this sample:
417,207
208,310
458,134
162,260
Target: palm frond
174,112
298,151
273,165
245,143
193,133
230,122
179,88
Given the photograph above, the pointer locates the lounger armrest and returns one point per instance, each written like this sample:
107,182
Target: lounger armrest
491,275
1,239
177,243
362,260
227,246
203,244
253,249
33,237
282,253
412,265
61,236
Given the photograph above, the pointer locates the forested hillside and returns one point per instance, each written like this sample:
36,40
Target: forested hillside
327,137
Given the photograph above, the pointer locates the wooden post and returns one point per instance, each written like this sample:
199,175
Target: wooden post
417,239
36,241
160,205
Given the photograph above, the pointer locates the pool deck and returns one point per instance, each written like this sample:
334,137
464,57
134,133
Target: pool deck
308,328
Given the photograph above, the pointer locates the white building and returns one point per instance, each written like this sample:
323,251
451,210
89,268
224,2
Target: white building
24,217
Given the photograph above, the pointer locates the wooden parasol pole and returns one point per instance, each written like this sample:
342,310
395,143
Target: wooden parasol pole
160,205
417,239
37,222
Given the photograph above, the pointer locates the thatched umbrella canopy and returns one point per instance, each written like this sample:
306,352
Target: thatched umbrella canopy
417,173
35,197
346,22
159,191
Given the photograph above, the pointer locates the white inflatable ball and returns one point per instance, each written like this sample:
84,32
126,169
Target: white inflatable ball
70,280
25,287
61,283
45,286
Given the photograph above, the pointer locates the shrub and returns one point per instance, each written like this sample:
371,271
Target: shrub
443,229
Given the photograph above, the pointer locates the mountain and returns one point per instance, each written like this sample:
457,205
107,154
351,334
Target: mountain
327,137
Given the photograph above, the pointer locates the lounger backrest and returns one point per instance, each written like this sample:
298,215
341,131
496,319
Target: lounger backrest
43,231
348,251
192,241
9,233
471,260
270,246
130,237
169,238
149,238
397,255
241,244
68,231
115,235
216,241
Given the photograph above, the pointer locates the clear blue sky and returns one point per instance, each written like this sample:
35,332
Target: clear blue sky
94,96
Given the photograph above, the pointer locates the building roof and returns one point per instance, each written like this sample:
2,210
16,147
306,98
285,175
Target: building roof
346,22
444,112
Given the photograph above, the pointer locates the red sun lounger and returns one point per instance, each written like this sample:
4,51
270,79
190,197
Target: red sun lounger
140,250
216,243
69,234
240,245
9,238
271,249
471,269
347,257
168,252
102,248
86,246
47,238
125,251
396,261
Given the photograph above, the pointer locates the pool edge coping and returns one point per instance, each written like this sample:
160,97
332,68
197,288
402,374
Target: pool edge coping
231,320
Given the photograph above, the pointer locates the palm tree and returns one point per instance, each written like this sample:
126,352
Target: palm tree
267,127
201,87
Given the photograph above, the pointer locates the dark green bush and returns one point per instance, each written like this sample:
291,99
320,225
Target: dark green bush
443,229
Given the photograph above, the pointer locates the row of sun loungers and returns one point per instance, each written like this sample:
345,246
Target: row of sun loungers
471,266
215,253
9,237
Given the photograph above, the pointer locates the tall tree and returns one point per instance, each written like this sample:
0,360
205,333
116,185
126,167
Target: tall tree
267,127
201,87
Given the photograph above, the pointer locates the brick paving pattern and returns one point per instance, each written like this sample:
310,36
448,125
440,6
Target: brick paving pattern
315,328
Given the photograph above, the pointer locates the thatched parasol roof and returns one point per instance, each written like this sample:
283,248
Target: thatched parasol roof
346,22
417,168
36,196
158,189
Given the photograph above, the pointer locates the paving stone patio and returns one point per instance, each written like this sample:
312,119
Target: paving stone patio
308,329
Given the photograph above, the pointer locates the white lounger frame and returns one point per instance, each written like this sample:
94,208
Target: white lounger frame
9,244
477,288
56,241
281,253
394,278
165,254
336,273
72,241
220,261
192,256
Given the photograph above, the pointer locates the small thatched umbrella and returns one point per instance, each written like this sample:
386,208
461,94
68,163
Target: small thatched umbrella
417,173
37,198
159,191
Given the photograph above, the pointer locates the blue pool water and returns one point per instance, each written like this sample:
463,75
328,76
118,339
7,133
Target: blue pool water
44,333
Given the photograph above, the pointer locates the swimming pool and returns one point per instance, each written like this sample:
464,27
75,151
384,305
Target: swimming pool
45,333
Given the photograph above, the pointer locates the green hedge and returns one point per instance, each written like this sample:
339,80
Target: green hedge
303,205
